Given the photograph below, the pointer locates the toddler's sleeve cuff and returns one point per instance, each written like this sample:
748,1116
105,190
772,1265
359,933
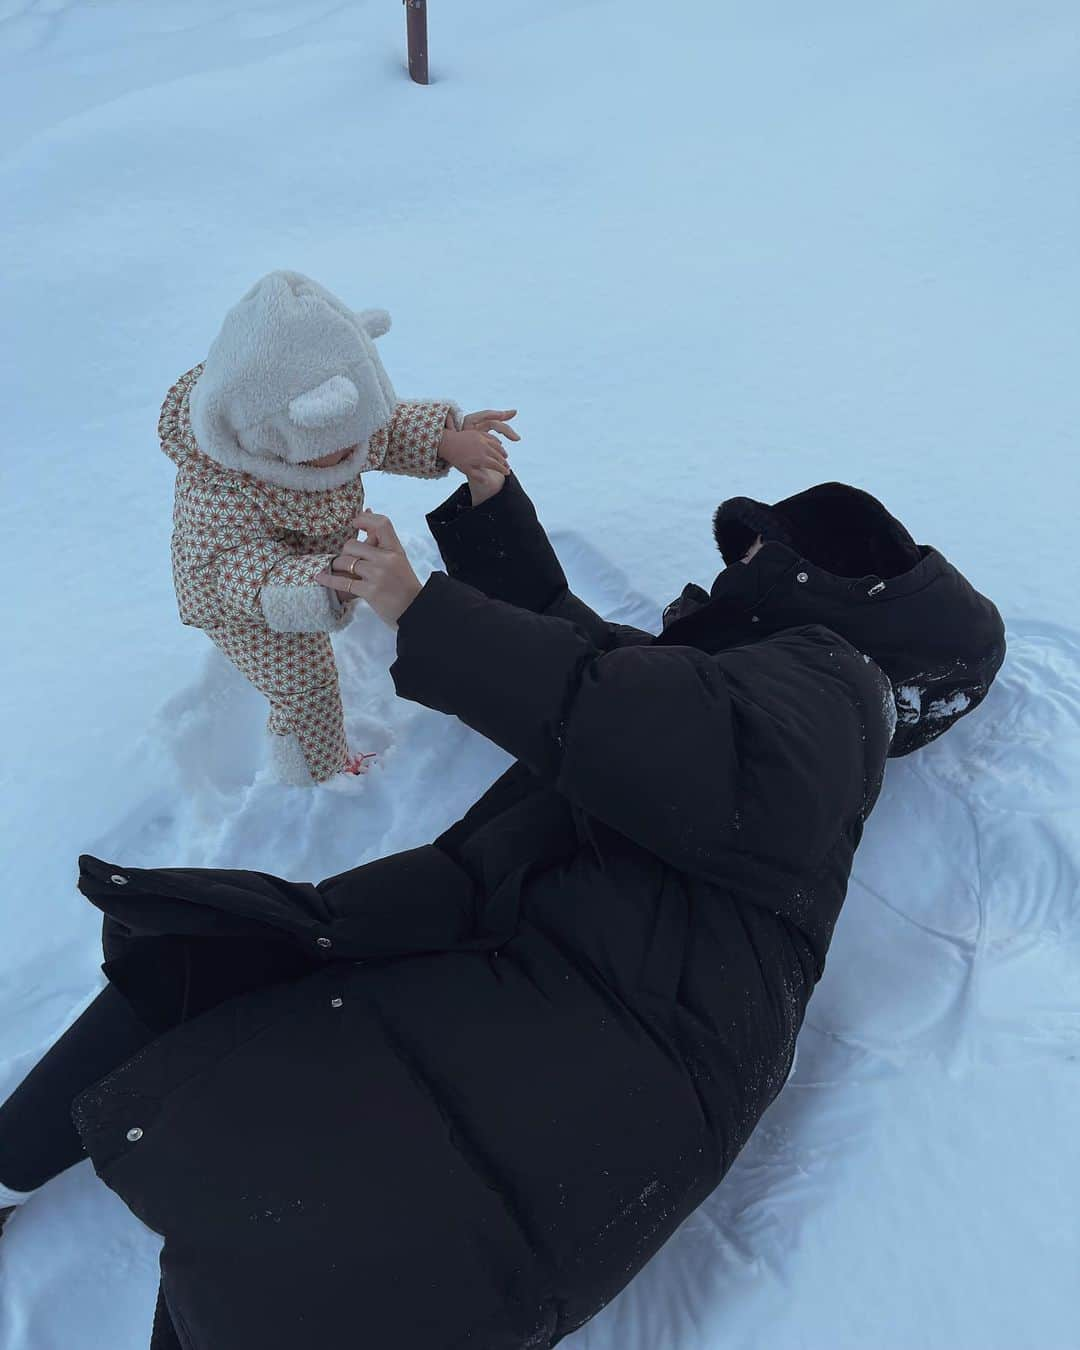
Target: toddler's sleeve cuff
304,609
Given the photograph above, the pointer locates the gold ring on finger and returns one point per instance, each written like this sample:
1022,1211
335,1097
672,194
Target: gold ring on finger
352,567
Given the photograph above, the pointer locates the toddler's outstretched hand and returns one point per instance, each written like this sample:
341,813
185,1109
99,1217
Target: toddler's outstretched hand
492,421
476,449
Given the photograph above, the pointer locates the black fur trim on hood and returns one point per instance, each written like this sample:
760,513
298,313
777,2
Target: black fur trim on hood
840,529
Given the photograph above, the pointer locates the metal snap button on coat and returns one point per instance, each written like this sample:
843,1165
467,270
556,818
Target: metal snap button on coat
802,578
134,1134
118,880
336,1002
323,942
876,590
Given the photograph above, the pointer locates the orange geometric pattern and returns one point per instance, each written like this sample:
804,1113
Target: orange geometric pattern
233,534
298,675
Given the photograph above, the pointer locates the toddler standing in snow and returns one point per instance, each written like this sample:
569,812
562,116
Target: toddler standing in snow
271,436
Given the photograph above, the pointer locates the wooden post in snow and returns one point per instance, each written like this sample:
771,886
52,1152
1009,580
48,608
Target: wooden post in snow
416,23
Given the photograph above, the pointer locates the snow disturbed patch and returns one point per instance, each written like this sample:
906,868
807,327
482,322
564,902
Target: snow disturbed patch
219,790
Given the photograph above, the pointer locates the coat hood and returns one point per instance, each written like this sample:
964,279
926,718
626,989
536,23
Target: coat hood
841,529
834,555
292,376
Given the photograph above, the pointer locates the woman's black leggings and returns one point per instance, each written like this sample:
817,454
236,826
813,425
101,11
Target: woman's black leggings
37,1137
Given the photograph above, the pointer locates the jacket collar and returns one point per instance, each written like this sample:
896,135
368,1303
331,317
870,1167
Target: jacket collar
742,588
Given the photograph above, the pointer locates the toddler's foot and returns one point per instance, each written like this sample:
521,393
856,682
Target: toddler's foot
357,764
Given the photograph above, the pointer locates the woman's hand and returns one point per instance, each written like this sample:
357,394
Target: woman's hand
485,484
476,449
376,570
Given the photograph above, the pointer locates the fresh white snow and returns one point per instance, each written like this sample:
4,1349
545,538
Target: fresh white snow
737,249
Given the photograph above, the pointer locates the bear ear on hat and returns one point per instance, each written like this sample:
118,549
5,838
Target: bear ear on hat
329,402
374,322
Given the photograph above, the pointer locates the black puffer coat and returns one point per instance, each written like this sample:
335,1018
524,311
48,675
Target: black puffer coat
524,1054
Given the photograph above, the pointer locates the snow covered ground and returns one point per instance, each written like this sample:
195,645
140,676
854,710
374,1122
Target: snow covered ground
796,242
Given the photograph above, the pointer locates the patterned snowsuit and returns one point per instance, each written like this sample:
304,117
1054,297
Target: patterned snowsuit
245,556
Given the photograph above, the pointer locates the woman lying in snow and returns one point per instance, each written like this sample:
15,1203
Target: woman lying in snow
458,1096
271,437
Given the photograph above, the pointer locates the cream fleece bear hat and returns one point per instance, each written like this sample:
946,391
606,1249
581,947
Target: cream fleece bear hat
292,376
